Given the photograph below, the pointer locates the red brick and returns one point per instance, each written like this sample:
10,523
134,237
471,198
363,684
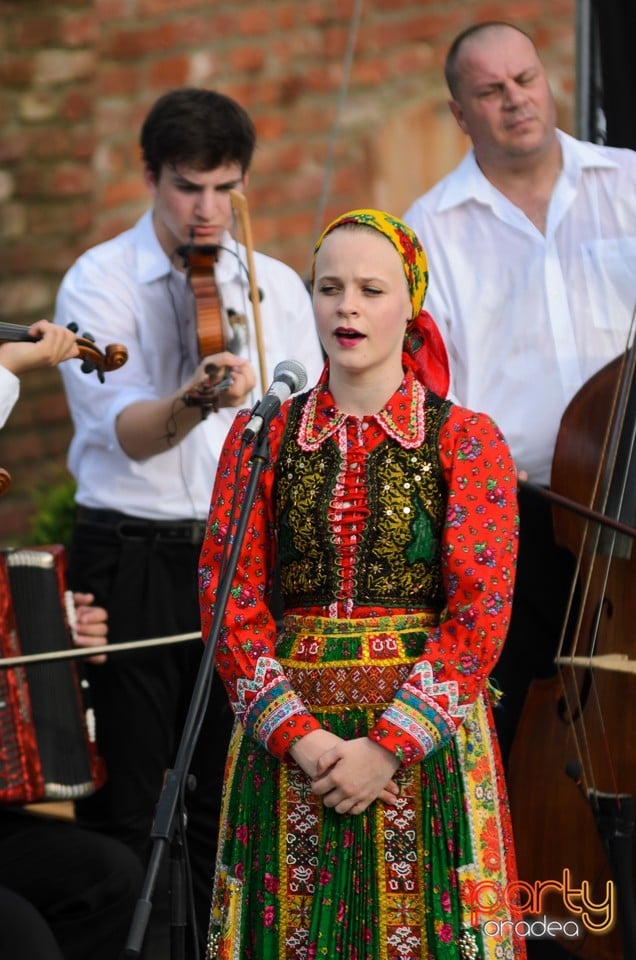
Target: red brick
14,145
77,30
109,11
250,59
71,180
16,70
77,104
116,79
156,8
122,192
62,219
171,72
36,31
253,20
139,42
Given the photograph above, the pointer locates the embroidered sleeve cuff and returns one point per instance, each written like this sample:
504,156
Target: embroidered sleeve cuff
413,726
290,731
277,717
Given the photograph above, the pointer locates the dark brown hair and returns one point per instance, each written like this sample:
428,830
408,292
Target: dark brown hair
199,128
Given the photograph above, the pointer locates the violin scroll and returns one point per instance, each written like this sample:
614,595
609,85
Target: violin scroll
5,481
93,359
113,357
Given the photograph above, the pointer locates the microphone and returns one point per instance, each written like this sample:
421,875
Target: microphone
289,377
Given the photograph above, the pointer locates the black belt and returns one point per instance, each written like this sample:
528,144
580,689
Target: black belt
138,528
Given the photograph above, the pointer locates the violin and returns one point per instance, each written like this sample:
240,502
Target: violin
114,356
93,360
199,261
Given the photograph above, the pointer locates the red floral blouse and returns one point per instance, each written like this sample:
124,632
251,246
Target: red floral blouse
478,555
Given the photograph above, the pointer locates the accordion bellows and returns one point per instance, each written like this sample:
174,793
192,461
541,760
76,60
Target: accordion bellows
47,735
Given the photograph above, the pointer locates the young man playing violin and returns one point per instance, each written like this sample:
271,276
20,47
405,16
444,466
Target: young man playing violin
144,459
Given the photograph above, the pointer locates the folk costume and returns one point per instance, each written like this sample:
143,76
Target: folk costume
395,535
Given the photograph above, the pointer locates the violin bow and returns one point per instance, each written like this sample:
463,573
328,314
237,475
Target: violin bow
239,205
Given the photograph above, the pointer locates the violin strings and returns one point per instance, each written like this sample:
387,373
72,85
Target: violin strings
185,359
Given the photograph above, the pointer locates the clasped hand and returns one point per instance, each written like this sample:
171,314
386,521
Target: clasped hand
348,774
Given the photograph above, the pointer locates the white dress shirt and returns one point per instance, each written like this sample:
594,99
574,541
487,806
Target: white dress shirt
529,318
126,291
9,393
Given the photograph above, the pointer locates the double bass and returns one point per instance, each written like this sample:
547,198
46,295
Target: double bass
572,772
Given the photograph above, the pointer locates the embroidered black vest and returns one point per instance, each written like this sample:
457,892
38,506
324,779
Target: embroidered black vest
397,562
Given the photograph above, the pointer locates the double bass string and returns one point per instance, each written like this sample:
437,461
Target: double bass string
599,541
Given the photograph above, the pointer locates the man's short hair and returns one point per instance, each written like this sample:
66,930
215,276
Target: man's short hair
451,72
197,128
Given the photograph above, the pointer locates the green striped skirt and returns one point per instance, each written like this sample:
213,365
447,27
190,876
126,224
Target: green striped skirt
295,880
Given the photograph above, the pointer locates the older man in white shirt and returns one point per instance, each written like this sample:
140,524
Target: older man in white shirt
531,243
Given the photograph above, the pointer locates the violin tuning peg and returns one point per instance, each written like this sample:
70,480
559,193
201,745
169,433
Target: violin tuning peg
72,327
87,366
88,336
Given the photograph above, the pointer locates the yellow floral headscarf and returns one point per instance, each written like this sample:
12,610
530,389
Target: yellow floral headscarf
424,350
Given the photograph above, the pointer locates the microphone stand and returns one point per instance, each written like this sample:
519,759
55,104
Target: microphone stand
167,828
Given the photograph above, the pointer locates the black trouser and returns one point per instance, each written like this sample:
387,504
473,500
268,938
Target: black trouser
147,578
542,588
64,892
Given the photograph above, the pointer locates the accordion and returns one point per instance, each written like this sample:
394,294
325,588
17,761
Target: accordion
47,735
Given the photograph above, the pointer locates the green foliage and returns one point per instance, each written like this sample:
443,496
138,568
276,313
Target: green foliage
54,515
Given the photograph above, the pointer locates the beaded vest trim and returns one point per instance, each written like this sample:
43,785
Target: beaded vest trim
396,558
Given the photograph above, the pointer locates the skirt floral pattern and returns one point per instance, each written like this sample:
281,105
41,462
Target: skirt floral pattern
297,881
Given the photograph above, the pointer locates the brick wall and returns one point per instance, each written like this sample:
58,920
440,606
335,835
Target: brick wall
77,77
